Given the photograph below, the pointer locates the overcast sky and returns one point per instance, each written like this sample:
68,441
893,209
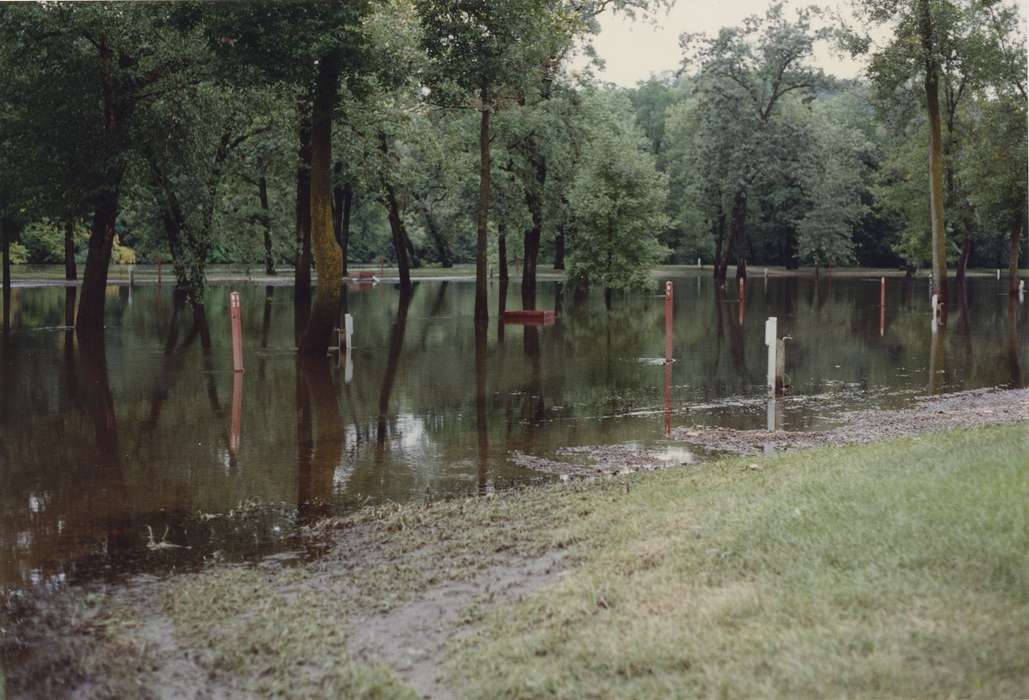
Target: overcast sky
635,50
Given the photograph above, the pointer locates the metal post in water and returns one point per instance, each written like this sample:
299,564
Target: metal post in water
998,274
348,328
771,340
237,332
698,262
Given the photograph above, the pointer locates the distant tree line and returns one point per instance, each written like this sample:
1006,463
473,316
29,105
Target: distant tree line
432,132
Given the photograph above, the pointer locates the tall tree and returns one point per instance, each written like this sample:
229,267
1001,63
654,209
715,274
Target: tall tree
744,73
481,50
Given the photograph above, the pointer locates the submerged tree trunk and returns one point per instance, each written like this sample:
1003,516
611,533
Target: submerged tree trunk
401,243
400,240
936,197
1014,244
481,302
70,272
262,193
559,248
502,252
739,234
534,200
343,199
328,259
721,248
94,280
116,111
966,253
302,290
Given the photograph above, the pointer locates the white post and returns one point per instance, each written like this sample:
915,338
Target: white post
698,262
936,311
348,325
998,273
348,371
771,340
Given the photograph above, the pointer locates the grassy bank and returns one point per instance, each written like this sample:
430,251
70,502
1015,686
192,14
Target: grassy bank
892,570
895,570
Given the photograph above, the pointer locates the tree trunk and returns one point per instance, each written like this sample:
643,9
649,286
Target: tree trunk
400,240
443,254
721,248
69,250
401,243
936,197
481,302
5,264
502,252
302,289
534,200
559,248
262,193
94,280
739,234
343,196
1014,244
966,253
328,258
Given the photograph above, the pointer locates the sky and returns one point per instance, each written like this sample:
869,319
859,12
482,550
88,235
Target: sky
633,50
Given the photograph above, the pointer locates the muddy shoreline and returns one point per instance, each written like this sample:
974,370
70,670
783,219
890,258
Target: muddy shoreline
397,584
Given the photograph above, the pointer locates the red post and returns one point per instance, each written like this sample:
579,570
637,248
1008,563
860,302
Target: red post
882,307
237,332
668,359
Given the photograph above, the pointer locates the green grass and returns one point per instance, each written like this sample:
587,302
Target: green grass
894,570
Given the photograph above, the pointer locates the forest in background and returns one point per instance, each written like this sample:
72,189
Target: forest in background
433,132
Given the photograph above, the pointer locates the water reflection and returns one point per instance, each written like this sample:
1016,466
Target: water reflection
106,435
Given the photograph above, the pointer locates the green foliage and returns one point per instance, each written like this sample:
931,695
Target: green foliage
618,202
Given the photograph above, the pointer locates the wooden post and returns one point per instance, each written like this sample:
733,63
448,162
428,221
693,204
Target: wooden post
668,357
237,332
158,272
668,322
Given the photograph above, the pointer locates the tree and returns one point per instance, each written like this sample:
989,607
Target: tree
618,201
480,50
833,177
744,73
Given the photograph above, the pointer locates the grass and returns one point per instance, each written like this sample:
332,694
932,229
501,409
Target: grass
894,570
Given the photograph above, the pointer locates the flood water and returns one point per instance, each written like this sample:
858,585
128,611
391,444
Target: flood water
149,436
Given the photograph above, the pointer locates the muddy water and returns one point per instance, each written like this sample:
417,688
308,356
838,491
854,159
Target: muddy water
118,454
